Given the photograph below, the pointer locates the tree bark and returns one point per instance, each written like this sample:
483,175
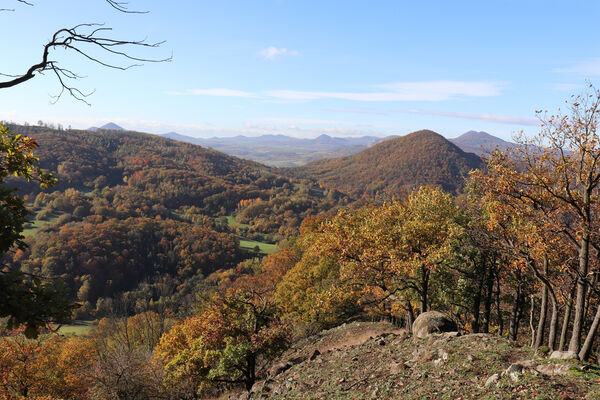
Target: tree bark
541,328
575,342
487,305
566,319
553,322
424,287
515,315
584,353
499,307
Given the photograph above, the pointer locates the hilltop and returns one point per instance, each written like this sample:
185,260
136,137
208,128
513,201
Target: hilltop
366,360
480,143
111,126
395,166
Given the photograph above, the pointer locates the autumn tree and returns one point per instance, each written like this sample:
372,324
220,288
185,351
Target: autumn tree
24,299
555,176
229,342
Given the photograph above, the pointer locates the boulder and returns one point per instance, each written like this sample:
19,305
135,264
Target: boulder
433,322
553,369
564,355
514,372
492,380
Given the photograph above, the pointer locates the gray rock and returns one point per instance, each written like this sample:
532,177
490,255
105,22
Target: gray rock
514,372
433,322
553,369
564,355
280,367
494,379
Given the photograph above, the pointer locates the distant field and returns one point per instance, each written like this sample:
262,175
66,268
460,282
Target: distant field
77,328
35,225
265,248
232,222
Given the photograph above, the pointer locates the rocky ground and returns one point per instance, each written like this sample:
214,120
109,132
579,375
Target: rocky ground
364,360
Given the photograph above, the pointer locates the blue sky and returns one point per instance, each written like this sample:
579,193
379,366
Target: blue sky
304,68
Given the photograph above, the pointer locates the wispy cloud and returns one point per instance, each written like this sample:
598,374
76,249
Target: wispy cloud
391,92
356,111
586,68
272,52
402,91
219,92
495,118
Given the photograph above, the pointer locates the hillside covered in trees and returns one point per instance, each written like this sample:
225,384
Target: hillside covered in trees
395,166
131,209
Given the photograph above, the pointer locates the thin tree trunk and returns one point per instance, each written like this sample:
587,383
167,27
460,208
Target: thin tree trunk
539,337
410,315
589,340
487,304
475,308
531,327
424,287
575,342
515,315
566,319
553,322
499,307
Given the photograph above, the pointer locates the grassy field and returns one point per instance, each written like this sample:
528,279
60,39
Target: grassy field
35,225
232,222
77,328
265,248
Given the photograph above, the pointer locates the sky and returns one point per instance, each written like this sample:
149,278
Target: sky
305,68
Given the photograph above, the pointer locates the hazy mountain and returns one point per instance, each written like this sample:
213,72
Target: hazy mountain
111,126
480,142
395,166
282,150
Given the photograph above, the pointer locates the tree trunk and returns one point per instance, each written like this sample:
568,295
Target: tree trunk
513,329
475,308
531,327
499,307
541,328
424,287
575,342
410,315
589,340
487,304
553,322
566,319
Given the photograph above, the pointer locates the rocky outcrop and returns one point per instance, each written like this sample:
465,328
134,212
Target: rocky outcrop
433,322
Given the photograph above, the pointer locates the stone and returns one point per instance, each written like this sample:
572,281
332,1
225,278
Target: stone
280,368
553,369
514,372
433,322
492,380
564,355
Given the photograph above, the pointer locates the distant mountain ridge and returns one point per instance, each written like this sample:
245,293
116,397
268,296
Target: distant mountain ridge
111,126
281,150
480,143
395,166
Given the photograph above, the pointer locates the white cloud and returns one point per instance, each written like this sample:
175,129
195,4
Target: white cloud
402,91
272,52
587,68
495,118
398,91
